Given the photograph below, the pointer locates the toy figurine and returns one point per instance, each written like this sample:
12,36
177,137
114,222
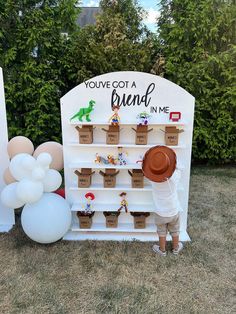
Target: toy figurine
175,116
111,160
88,206
143,118
123,203
101,160
140,160
121,158
97,159
115,119
84,112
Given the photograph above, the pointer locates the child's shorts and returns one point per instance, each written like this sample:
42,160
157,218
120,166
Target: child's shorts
165,224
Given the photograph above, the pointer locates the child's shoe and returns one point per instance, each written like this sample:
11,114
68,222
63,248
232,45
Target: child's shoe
156,249
179,248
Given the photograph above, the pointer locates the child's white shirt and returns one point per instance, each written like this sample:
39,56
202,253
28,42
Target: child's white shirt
165,196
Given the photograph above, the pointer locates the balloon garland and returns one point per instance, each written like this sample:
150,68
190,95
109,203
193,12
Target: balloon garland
30,180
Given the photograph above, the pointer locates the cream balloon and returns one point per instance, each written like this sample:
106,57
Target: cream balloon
55,150
16,169
18,145
9,196
47,220
7,177
29,191
52,181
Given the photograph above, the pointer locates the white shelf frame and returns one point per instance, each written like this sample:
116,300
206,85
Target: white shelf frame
166,94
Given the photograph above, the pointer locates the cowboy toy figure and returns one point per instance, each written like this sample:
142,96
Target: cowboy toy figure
115,119
123,203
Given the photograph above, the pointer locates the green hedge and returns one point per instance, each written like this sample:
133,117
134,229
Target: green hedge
198,43
195,38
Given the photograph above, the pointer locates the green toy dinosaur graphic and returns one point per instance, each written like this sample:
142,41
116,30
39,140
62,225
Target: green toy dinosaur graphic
85,112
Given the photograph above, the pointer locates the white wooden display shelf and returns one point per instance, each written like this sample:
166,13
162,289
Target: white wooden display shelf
122,227
182,122
114,207
94,165
119,187
124,145
138,235
149,93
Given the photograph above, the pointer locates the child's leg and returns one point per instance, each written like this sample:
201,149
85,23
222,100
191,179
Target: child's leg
162,243
173,227
175,241
161,231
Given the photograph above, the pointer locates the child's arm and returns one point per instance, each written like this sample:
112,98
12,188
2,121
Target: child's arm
176,176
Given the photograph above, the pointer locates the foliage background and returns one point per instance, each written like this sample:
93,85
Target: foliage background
194,47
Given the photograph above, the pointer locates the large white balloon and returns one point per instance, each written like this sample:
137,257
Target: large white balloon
47,220
29,191
9,197
52,180
16,168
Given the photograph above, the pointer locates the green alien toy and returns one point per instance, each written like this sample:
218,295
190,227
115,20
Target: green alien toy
84,112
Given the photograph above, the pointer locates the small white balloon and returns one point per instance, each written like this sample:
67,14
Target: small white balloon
9,197
38,174
52,180
29,191
47,220
28,162
16,168
44,160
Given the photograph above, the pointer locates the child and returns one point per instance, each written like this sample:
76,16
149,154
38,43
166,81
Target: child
159,166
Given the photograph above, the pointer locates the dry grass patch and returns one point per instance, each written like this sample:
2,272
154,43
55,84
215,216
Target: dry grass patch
110,277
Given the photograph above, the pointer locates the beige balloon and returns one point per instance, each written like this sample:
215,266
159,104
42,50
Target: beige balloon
18,145
55,150
7,177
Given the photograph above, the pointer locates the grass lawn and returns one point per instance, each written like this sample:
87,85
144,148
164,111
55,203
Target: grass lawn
110,277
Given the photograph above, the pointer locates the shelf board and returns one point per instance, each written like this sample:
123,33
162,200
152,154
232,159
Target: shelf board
101,227
114,207
94,165
104,166
124,145
128,123
118,187
118,236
